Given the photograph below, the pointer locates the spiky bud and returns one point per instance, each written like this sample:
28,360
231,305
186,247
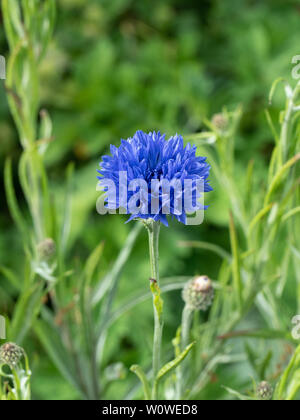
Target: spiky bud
46,249
264,391
198,293
220,122
11,354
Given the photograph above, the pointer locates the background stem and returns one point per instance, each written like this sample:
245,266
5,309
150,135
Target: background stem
186,326
187,316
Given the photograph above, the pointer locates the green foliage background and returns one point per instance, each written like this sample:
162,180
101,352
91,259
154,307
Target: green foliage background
117,66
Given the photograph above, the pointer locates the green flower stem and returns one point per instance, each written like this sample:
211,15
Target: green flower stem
153,232
187,316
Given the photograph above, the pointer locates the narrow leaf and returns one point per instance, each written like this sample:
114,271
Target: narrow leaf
236,269
142,377
11,198
260,215
93,261
278,178
238,395
174,363
57,352
157,300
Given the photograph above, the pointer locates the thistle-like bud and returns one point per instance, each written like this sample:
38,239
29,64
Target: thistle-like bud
11,354
220,122
46,249
198,293
264,391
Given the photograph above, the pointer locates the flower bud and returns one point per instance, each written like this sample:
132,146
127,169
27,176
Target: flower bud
220,122
198,293
46,249
264,391
11,354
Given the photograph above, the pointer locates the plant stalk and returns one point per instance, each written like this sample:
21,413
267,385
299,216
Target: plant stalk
153,228
187,316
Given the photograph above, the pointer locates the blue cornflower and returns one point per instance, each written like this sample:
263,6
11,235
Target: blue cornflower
141,169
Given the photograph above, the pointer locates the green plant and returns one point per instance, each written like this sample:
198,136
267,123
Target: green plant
69,305
14,377
262,217
74,332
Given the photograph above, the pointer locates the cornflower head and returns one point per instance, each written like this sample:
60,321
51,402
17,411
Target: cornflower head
198,293
46,249
264,391
154,177
220,122
11,354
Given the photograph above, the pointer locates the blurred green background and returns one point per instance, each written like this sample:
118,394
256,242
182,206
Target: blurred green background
122,65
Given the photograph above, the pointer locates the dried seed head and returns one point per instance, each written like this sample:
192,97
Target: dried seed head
264,391
46,249
11,354
198,293
220,122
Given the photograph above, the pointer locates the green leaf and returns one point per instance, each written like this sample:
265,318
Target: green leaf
265,365
45,132
207,246
249,182
236,269
252,356
114,274
271,125
140,298
11,198
174,363
260,215
26,310
11,277
291,213
267,334
294,387
93,261
84,295
47,25
53,345
67,215
287,376
176,342
157,300
142,377
12,21
238,395
279,177
274,86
